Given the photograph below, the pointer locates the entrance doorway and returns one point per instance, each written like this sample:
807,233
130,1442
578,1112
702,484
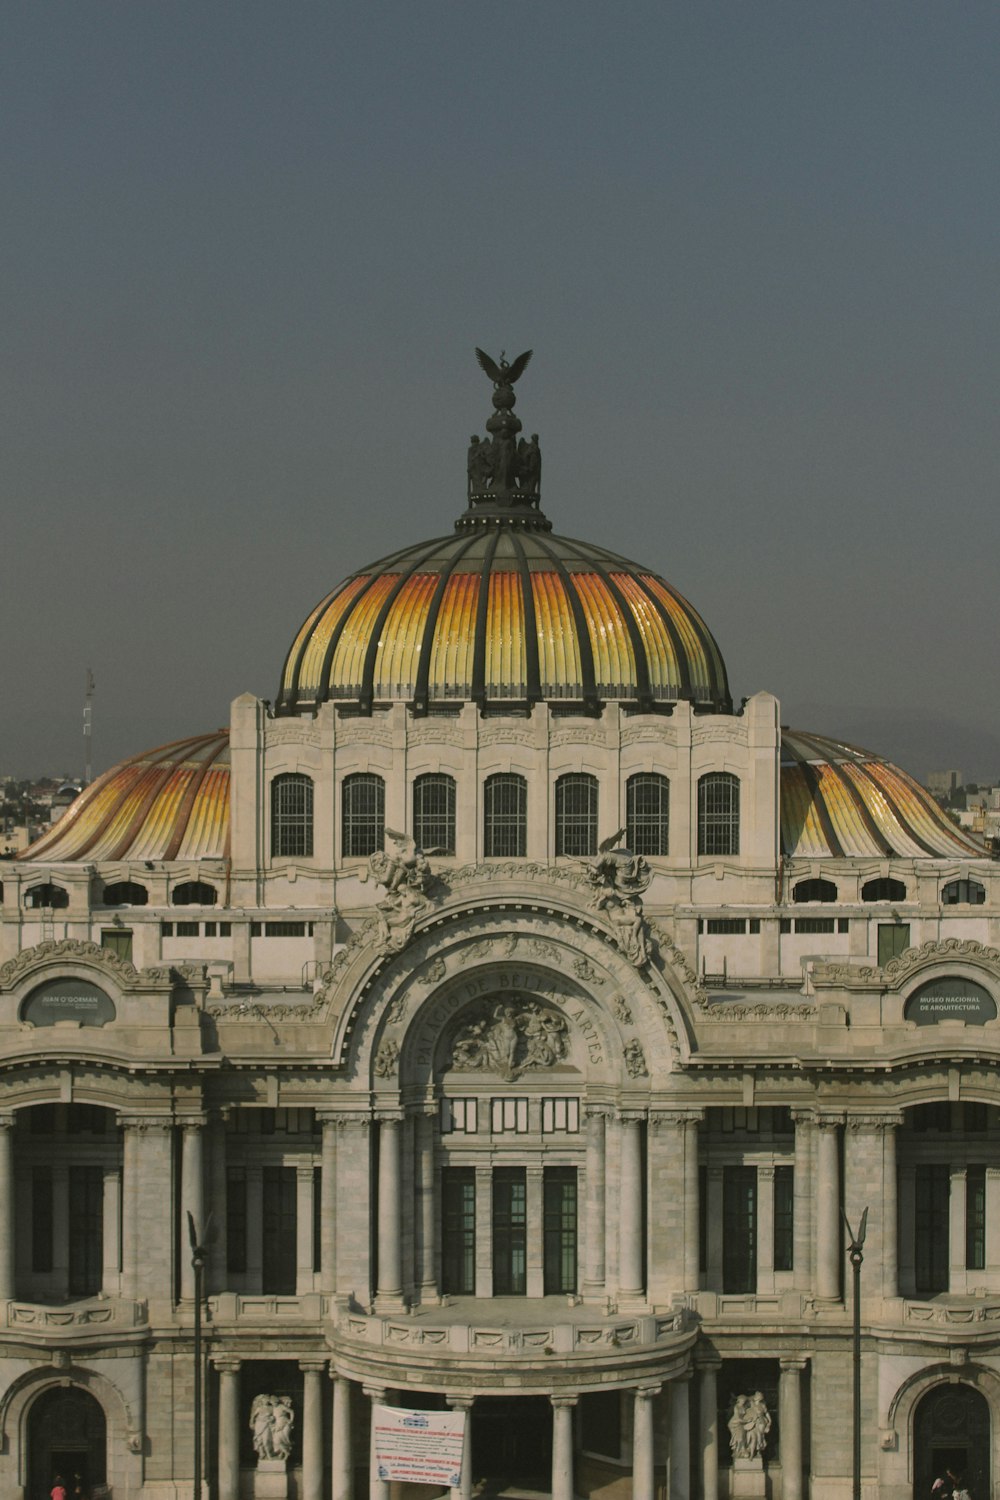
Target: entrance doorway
512,1443
951,1430
66,1435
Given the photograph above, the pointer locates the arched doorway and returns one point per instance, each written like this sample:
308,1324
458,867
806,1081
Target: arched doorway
951,1430
66,1435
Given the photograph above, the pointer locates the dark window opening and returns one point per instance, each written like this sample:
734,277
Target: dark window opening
963,893
719,814
46,897
291,816
814,890
784,1217
458,1224
236,1220
194,893
975,1217
434,813
279,1230
509,1232
362,815
576,815
647,814
86,1236
559,1229
505,816
41,1217
893,939
125,893
933,1187
883,890
739,1229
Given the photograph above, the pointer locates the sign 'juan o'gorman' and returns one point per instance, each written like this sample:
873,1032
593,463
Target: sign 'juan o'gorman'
68,1000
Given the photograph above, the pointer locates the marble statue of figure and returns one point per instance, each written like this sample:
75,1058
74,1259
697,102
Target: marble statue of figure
737,1427
401,863
261,1425
281,1428
758,1424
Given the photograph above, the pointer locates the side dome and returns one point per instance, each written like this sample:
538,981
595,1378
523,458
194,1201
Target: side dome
843,802
168,803
504,613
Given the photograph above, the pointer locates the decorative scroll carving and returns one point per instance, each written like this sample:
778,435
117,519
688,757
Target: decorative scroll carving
940,950
503,734
509,1040
68,949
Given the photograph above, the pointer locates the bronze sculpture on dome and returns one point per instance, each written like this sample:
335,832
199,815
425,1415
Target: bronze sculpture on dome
501,467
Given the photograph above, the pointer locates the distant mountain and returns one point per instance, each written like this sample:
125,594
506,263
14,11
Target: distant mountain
917,742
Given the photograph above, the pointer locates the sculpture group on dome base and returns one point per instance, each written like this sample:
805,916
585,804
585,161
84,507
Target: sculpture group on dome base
503,467
618,878
404,870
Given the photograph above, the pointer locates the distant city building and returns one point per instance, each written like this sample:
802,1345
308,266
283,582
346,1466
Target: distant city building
943,783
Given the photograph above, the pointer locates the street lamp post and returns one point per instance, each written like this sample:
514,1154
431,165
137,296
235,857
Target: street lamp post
854,1246
199,1254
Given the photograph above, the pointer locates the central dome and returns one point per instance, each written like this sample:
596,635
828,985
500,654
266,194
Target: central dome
504,614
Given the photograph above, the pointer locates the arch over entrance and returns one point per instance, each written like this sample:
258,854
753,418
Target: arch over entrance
67,1435
951,1431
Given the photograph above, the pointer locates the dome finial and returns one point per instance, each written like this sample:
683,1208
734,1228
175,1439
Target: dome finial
504,472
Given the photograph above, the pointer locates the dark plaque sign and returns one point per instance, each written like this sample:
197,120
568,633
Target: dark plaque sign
68,1000
951,1000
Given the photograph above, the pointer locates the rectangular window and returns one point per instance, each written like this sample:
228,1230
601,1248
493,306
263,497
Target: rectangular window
505,816
576,815
559,1230
41,1217
166,929
459,1116
279,1230
510,1226
225,929
784,924
509,1115
560,1115
647,814
86,1239
211,928
814,924
117,940
288,929
726,926
733,1118
458,1231
933,1187
187,929
843,924
784,1217
893,939
739,1229
755,924
236,1220
434,813
255,929
975,1217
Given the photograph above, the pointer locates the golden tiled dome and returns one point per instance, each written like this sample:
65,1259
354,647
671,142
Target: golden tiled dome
504,614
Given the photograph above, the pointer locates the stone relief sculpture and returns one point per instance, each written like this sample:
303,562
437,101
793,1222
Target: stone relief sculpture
508,1039
749,1426
405,872
635,1059
386,1059
618,877
271,1422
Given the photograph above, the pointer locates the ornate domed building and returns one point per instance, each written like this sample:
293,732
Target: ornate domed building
515,1022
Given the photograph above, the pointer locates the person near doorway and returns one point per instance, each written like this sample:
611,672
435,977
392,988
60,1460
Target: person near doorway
78,1490
58,1491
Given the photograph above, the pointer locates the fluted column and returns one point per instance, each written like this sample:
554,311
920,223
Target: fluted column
130,1228
343,1462
829,1238
708,1425
562,1446
790,1422
672,1204
680,1440
328,1206
643,1451
595,1271
229,1428
870,1181
390,1218
630,1222
692,1275
464,1404
8,1236
427,1218
378,1489
312,1428
192,1198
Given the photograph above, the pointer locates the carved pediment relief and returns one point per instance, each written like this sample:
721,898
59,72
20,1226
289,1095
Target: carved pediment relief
507,1037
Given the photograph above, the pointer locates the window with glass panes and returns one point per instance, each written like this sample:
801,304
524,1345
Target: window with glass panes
739,1229
505,816
458,1231
719,814
510,1227
559,1230
647,813
975,1217
784,1217
291,817
362,814
434,813
932,1189
576,814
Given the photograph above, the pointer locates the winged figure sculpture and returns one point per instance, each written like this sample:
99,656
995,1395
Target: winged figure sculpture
503,373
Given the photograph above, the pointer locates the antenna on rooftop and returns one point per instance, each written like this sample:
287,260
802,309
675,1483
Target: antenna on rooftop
88,724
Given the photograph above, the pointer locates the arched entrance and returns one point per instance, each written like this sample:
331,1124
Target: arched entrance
951,1430
67,1436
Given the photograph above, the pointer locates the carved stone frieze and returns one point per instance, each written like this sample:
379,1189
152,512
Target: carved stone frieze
509,1039
291,732
506,734
363,732
586,973
433,973
435,732
705,734
941,950
67,950
763,1012
638,734
500,946
396,1010
576,734
252,1010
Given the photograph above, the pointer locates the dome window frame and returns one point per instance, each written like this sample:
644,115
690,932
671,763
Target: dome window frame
883,888
577,806
35,897
719,814
124,893
434,798
505,829
292,803
647,828
815,888
362,828
963,892
194,893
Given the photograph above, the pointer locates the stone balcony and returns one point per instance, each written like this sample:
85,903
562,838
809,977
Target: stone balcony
74,1322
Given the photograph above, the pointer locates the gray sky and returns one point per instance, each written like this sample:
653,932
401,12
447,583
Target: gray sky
248,249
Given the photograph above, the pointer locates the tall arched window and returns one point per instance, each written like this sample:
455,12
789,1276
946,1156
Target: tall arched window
647,813
48,895
883,890
963,893
814,890
505,816
362,814
434,812
719,813
194,893
291,816
576,814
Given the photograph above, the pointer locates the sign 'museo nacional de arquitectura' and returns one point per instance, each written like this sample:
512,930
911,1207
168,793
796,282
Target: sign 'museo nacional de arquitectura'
527,1006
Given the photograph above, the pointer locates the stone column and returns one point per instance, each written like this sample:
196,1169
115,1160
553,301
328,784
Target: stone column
714,1195
708,1425
829,1235
890,1207
8,1238
464,1403
765,1229
870,1182
192,1198
130,1170
304,1185
803,1236
111,1215
312,1428
378,1489
229,1428
390,1218
790,1421
643,1451
956,1230
692,1275
680,1439
328,1206
427,1215
343,1464
630,1222
594,1273
992,1270
562,1446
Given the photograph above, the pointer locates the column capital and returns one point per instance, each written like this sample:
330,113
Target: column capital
460,1403
316,1366
708,1361
8,1121
649,1392
558,1399
793,1361
141,1124
598,1111
631,1116
658,1118
828,1121
866,1121
375,1393
192,1122
226,1364
392,1116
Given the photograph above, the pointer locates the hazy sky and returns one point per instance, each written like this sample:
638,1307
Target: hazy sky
248,248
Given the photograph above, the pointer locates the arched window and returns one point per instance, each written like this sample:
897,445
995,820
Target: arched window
719,813
48,895
576,814
434,812
291,816
505,816
814,890
125,893
883,890
963,893
647,813
194,893
362,814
